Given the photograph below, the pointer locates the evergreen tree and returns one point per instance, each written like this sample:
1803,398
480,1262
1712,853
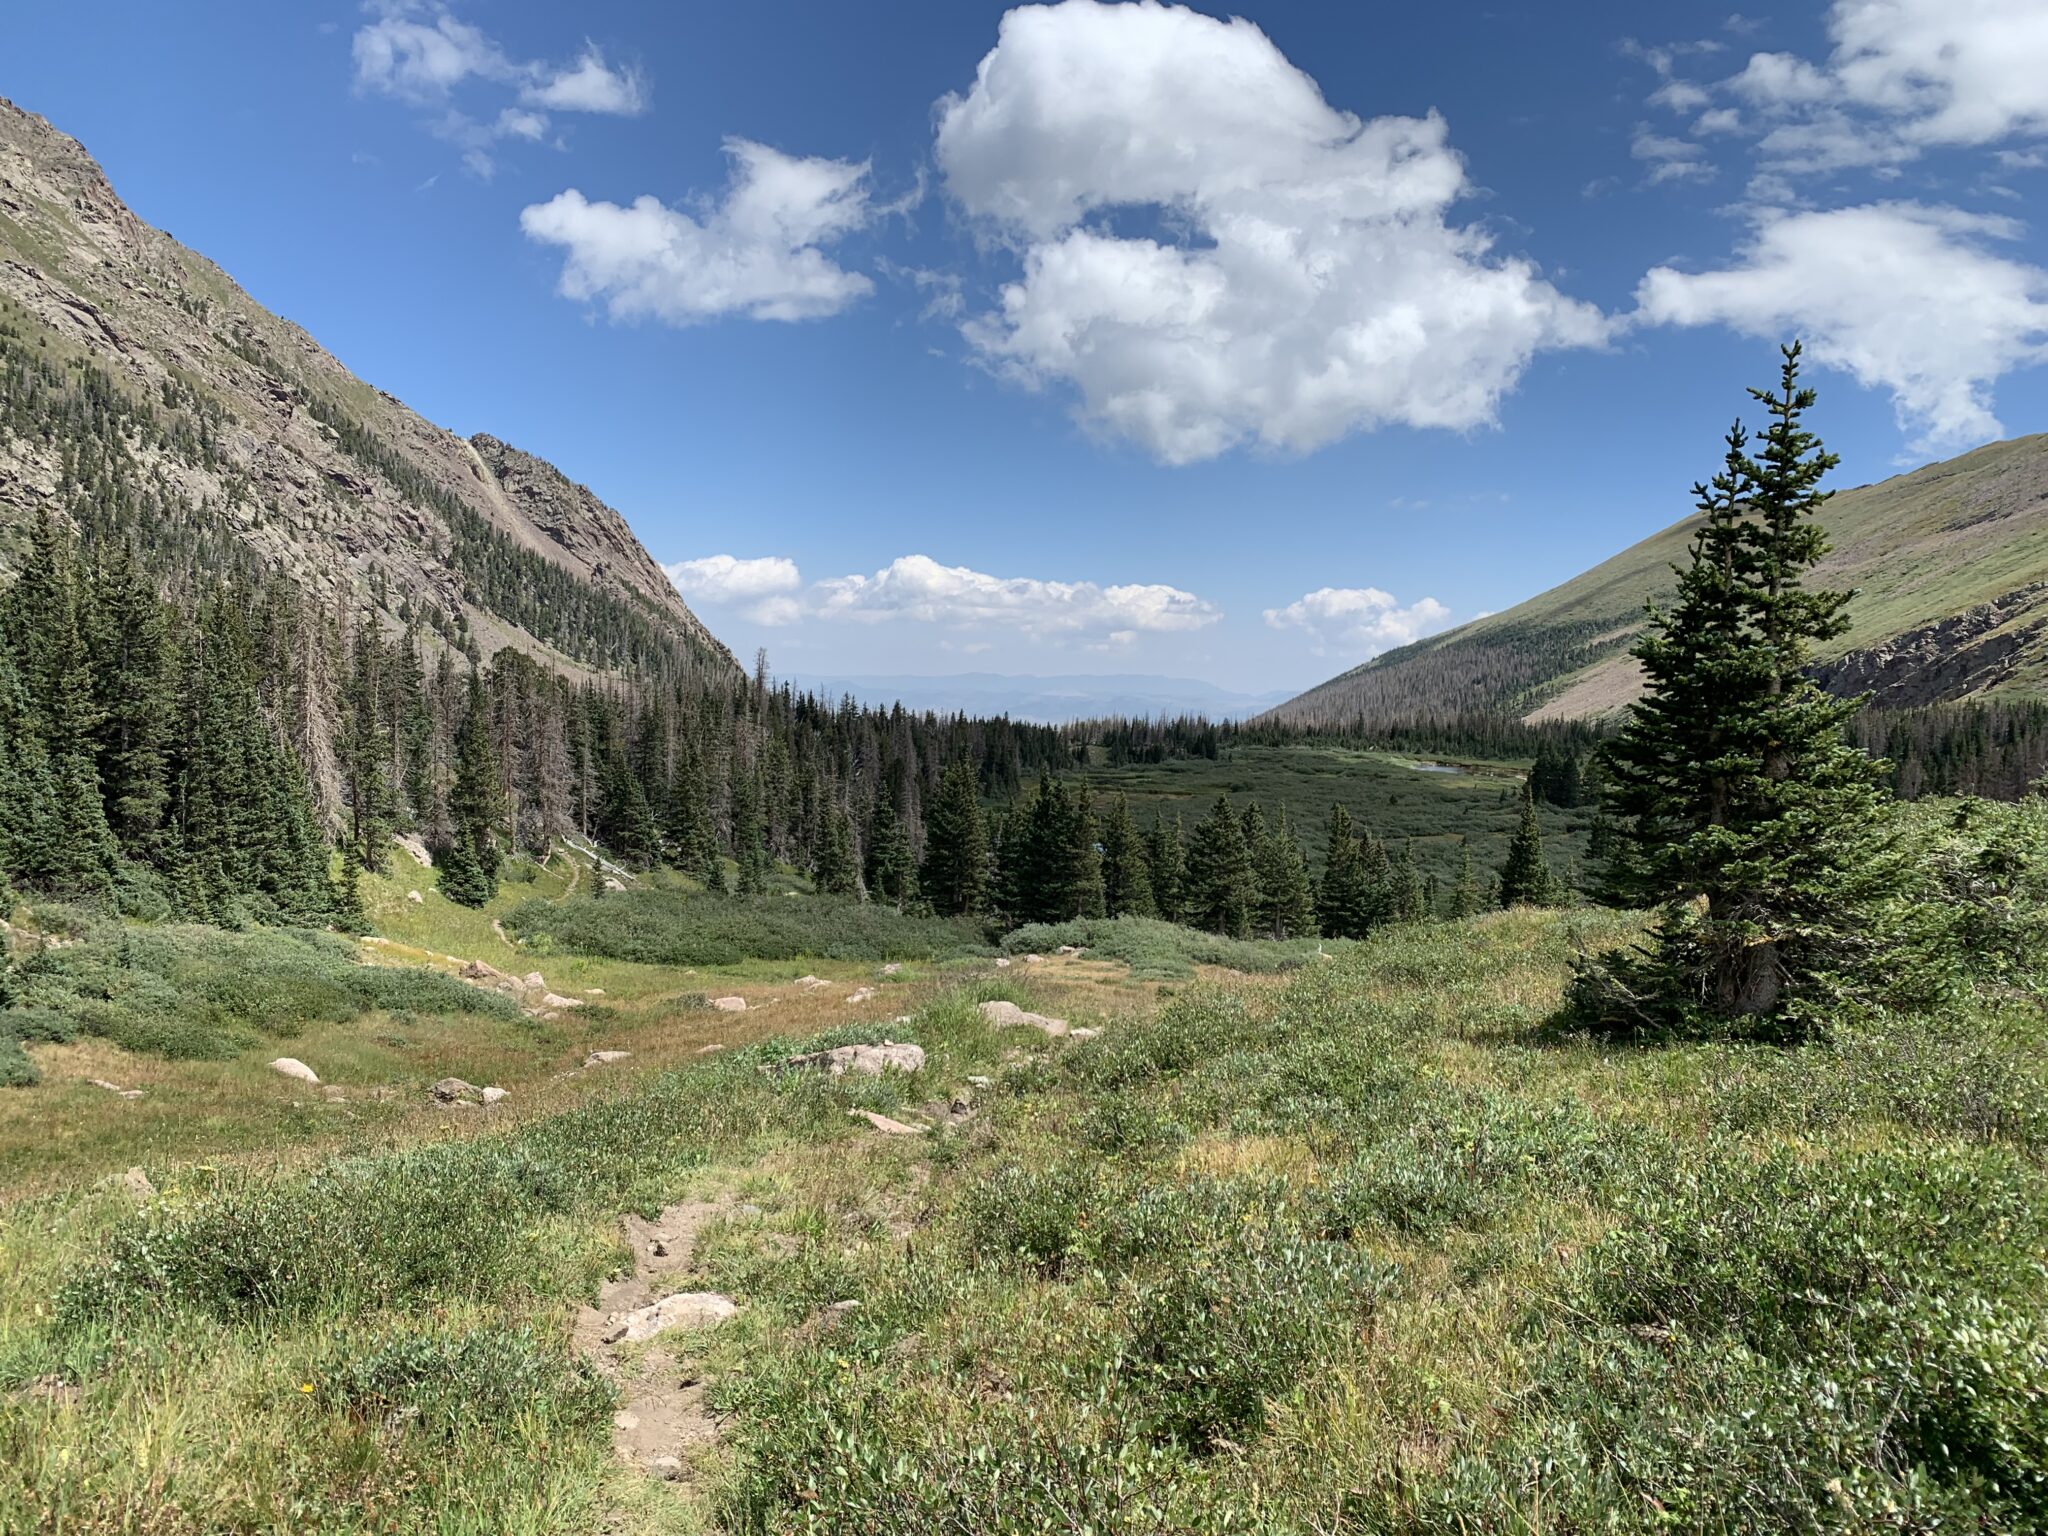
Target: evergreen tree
134,681
1166,864
1406,902
468,864
1467,899
1342,902
1757,832
955,873
1222,889
891,872
1126,875
1525,879
749,834
834,871
1287,900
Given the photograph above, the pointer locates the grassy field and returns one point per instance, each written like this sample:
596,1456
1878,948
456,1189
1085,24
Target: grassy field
1366,1245
1400,799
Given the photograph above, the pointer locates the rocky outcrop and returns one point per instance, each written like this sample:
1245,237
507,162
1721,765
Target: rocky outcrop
1971,653
862,1060
335,485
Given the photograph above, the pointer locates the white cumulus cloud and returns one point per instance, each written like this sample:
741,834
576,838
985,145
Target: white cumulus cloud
1297,278
766,586
1359,621
757,253
1904,297
918,588
589,85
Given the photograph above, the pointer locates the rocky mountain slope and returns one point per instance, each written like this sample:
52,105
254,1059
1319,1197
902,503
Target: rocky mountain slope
1950,563
233,431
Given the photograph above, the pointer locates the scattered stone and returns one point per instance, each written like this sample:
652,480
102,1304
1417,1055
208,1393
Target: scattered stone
417,847
136,1183
1083,1034
978,1082
901,1018
1034,959
861,996
496,1095
594,991
1068,949
611,884
115,1088
477,970
535,981
556,1000
658,1248
687,1309
604,1058
812,983
706,1050
668,1468
291,1066
892,968
452,1089
729,1004
884,1124
750,1210
1004,1015
414,896
1002,962
863,1060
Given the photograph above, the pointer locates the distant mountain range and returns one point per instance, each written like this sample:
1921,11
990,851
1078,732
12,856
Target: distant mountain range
1950,563
1048,700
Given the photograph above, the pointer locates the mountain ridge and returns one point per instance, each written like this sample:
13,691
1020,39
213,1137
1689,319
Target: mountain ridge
274,446
1949,562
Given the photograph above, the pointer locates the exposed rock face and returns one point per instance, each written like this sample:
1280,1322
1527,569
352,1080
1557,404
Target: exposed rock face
335,485
863,1060
1972,653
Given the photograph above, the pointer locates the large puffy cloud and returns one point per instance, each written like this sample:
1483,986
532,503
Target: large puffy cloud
1360,621
1904,297
1311,285
918,588
757,253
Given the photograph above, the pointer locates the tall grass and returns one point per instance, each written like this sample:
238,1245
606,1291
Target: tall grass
672,927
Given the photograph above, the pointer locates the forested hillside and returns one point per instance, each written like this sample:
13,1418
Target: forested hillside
1950,564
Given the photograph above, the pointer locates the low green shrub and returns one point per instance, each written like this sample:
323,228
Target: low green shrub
431,1386
673,927
1159,951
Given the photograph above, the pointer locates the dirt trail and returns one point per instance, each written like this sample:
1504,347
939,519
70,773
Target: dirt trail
662,1417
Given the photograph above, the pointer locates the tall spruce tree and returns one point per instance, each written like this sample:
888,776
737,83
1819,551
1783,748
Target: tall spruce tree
1166,863
1343,901
1758,834
891,872
1222,889
1525,879
955,873
1126,874
469,862
834,870
1467,898
1287,900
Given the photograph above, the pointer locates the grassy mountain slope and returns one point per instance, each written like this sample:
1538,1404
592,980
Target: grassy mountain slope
1950,561
239,433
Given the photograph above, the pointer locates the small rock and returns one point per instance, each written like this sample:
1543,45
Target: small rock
658,1248
884,1124
476,970
812,983
1068,949
291,1066
136,1183
1083,1034
668,1468
612,885
892,968
115,1088
750,1210
688,1309
729,1004
496,1095
536,981
1002,962
1034,959
863,1060
416,847
451,1090
861,996
594,991
604,1058
1002,1015
978,1082
556,1000
706,1050
414,896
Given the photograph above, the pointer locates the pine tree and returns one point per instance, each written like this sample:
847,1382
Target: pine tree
1166,863
1287,901
891,872
955,873
1525,879
469,863
1758,833
1467,899
134,676
749,834
1126,875
834,871
1405,899
369,795
1340,894
1221,887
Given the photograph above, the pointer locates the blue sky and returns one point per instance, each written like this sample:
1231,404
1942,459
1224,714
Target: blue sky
1125,338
